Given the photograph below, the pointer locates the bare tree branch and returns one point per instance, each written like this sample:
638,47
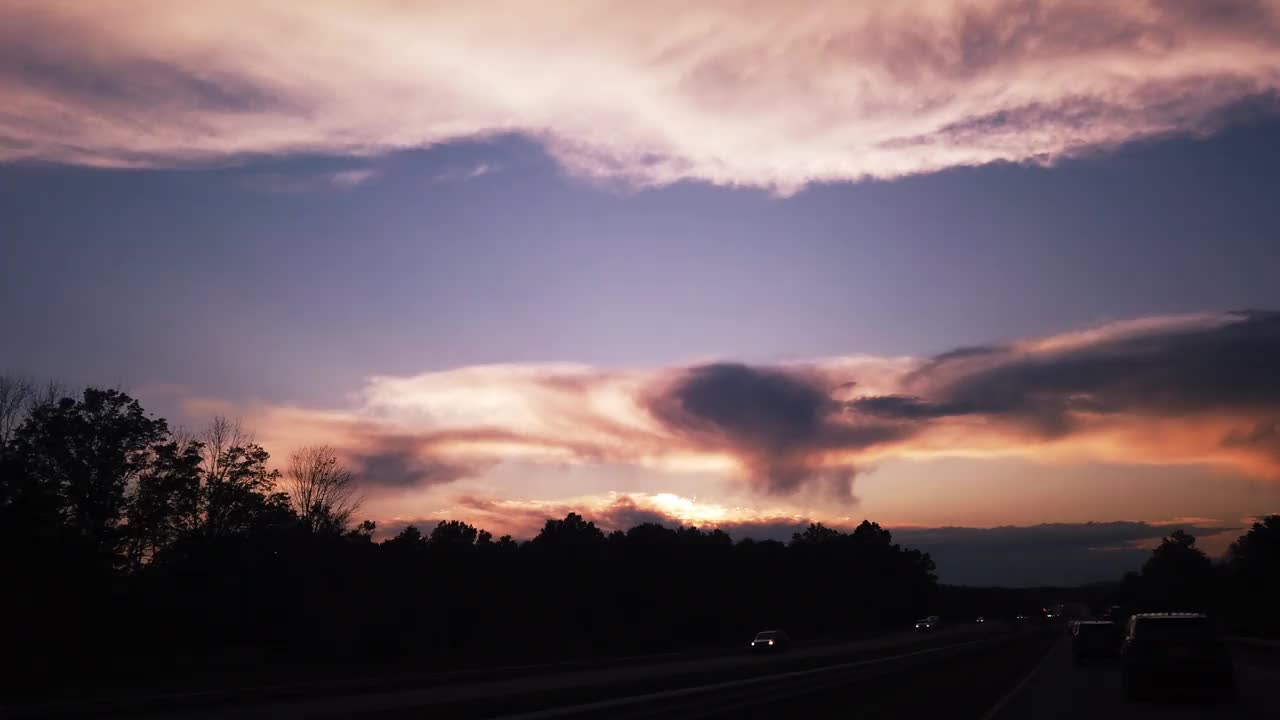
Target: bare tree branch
321,490
15,395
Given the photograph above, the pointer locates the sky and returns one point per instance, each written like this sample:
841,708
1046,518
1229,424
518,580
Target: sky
997,275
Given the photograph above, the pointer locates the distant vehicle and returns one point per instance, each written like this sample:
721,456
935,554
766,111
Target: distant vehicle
980,620
1175,651
928,623
1094,639
771,641
1114,613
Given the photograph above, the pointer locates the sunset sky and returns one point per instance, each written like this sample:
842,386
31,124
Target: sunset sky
948,266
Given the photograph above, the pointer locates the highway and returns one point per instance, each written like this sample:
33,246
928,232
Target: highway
1061,689
958,672
996,672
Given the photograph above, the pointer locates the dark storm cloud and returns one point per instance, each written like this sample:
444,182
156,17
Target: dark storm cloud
1227,367
778,422
1263,436
1092,535
1040,555
786,426
902,407
399,461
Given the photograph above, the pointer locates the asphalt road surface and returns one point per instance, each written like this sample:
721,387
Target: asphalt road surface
992,672
1061,689
954,673
956,680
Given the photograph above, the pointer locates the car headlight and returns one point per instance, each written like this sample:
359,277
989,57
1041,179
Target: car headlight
770,642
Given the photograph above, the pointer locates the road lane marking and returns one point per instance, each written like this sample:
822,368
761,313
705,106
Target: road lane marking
1002,702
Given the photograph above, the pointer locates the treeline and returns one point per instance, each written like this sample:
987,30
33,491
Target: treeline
1241,591
138,556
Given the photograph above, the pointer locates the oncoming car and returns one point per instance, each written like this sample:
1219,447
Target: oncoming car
770,641
928,623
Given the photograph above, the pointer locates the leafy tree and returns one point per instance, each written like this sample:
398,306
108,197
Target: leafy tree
1254,563
237,491
815,534
572,531
160,499
453,534
1178,575
410,537
88,454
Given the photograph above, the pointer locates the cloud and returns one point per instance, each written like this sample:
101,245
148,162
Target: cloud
391,461
523,518
1043,555
762,94
1192,390
778,422
291,183
1203,382
466,173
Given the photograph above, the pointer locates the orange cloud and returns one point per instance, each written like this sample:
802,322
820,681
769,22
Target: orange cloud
522,518
1175,390
733,92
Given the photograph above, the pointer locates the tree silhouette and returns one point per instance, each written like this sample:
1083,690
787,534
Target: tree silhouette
321,491
572,531
85,455
452,534
1179,572
1254,563
15,394
237,493
162,497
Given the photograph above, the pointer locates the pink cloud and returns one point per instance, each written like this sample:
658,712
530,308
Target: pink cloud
764,94
1187,390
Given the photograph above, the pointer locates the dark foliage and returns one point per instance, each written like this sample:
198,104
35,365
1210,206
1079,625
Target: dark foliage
1240,593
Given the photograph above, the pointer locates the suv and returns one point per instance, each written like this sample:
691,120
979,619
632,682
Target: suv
1168,651
1094,639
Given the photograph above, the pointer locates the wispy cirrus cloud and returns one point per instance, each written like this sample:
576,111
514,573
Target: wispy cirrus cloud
309,182
740,93
467,172
1193,389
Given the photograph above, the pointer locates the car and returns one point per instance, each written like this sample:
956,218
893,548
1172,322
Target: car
1166,652
770,641
980,620
1091,639
928,623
